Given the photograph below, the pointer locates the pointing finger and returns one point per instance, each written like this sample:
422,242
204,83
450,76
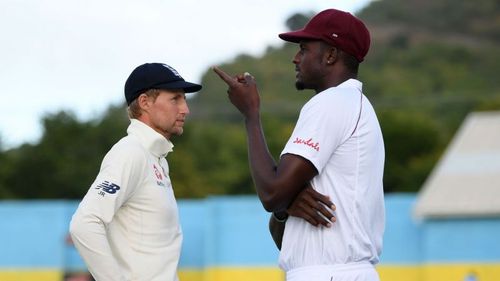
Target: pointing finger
224,76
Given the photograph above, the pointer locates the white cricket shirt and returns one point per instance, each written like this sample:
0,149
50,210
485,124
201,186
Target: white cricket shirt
338,132
127,225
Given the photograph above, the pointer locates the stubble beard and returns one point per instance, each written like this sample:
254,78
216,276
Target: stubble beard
180,131
300,86
176,131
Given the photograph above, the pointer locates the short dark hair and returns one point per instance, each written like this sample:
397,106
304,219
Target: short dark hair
349,61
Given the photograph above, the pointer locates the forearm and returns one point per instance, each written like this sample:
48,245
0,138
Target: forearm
90,239
276,184
264,169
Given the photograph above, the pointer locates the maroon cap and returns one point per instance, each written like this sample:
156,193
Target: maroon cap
337,28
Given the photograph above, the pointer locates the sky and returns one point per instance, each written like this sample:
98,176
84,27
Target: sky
75,55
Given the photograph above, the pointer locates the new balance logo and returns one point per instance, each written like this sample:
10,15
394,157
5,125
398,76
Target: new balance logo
107,187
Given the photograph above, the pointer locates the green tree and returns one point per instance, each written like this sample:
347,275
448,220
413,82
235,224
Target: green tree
65,161
430,64
413,144
298,20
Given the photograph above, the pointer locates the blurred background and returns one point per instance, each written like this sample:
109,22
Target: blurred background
432,74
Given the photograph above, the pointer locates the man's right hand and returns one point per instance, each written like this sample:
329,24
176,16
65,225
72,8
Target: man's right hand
242,92
314,207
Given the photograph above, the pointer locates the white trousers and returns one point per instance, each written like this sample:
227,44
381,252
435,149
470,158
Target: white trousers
338,272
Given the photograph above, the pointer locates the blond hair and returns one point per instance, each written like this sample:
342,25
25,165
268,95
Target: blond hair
134,109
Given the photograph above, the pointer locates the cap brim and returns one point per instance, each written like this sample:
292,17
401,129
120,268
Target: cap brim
297,36
188,87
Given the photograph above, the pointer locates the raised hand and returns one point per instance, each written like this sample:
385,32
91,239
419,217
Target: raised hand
242,92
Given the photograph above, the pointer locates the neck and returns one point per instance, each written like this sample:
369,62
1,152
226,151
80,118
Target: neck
334,81
144,118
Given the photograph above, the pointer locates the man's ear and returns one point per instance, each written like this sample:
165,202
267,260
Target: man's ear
143,101
332,55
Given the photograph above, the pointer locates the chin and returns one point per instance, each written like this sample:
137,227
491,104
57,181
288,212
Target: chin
179,132
299,86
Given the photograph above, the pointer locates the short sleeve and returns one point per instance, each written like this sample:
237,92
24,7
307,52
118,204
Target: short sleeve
324,123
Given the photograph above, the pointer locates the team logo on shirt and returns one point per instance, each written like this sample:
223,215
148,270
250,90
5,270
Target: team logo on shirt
107,187
158,174
309,142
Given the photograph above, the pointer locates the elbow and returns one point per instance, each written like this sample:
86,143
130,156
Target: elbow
75,228
79,227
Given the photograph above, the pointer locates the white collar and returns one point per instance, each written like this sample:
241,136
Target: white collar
351,83
156,143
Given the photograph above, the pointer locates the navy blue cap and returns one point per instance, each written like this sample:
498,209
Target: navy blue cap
155,76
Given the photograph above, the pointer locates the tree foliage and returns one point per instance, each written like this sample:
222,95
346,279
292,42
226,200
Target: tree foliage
65,161
430,64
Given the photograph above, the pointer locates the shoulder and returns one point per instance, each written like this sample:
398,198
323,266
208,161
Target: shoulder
128,149
341,94
334,99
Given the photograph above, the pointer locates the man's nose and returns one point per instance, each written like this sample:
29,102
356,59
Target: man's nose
185,108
